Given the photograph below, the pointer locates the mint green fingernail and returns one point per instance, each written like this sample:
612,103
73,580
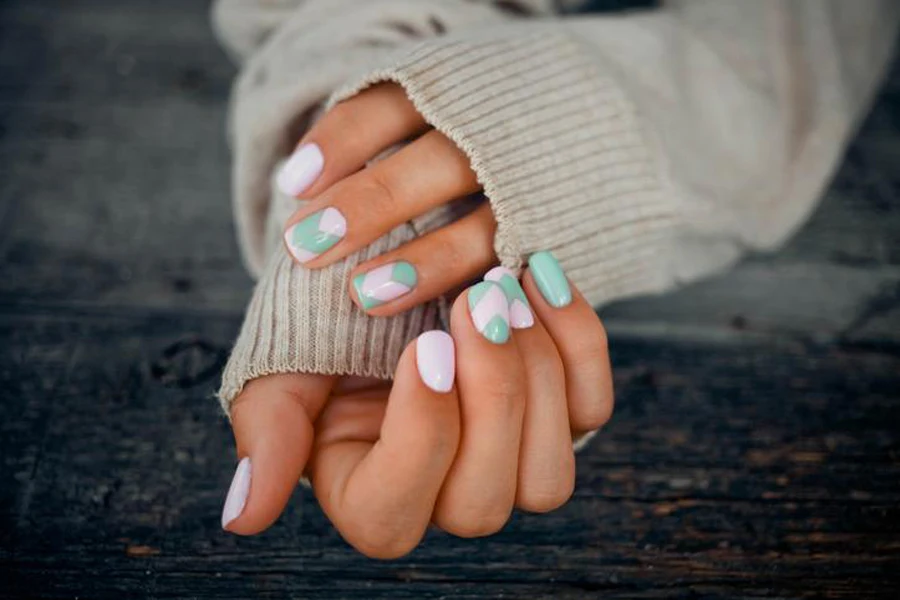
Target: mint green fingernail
550,279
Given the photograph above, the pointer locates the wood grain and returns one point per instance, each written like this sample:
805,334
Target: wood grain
755,450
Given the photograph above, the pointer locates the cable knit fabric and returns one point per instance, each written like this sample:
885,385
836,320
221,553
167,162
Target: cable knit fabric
645,150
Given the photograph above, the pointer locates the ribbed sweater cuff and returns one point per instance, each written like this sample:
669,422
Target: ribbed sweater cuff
556,145
303,321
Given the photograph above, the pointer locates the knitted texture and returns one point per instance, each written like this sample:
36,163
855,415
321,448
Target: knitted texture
645,151
557,148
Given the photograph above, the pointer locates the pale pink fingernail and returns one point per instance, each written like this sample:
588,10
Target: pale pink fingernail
301,170
237,493
436,359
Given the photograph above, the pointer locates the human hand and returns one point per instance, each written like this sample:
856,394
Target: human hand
352,205
471,427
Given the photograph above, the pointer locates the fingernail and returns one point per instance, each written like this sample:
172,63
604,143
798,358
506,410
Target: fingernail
490,311
385,283
300,171
436,360
550,279
237,493
315,234
520,315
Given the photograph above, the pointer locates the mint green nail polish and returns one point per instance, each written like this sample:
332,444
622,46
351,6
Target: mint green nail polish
385,283
490,311
315,234
550,279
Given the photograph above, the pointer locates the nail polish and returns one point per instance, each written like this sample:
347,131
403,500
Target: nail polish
237,493
436,360
520,315
315,234
550,279
385,283
490,311
301,170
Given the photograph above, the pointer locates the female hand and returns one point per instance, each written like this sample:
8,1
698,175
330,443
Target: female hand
472,426
352,205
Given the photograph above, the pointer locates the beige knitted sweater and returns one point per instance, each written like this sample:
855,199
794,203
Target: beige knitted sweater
645,150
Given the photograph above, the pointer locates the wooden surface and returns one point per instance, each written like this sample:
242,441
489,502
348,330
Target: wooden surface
755,451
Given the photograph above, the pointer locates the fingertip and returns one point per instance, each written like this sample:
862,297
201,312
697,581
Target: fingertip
272,422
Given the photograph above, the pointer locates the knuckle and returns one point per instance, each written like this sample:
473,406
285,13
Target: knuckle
509,393
343,118
378,192
548,493
377,541
592,415
474,524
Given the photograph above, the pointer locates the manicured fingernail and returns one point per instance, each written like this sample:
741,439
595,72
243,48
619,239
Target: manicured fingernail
315,234
237,493
550,279
385,283
490,311
301,170
436,360
520,315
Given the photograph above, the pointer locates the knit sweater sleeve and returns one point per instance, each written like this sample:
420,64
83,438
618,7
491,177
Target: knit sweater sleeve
644,150
293,54
648,150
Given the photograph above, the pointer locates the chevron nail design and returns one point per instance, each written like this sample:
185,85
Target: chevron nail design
385,283
315,234
490,311
520,315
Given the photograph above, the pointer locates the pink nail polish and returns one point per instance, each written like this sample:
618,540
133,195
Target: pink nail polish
520,315
237,493
436,360
301,170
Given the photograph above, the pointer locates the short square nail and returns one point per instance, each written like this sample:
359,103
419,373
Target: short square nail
490,311
385,283
301,170
550,279
520,315
237,493
315,234
436,360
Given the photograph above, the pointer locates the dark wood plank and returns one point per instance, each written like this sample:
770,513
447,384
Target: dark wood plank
730,470
754,452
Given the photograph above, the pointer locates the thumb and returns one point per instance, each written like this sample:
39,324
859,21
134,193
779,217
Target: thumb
272,420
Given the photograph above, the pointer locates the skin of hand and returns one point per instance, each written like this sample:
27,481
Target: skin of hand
354,201
491,431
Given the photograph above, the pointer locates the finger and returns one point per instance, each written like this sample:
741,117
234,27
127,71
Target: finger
349,135
580,340
480,489
361,208
381,494
272,421
546,457
426,267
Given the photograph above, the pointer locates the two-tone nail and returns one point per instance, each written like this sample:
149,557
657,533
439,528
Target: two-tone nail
237,493
520,314
490,311
550,279
300,170
315,234
385,283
